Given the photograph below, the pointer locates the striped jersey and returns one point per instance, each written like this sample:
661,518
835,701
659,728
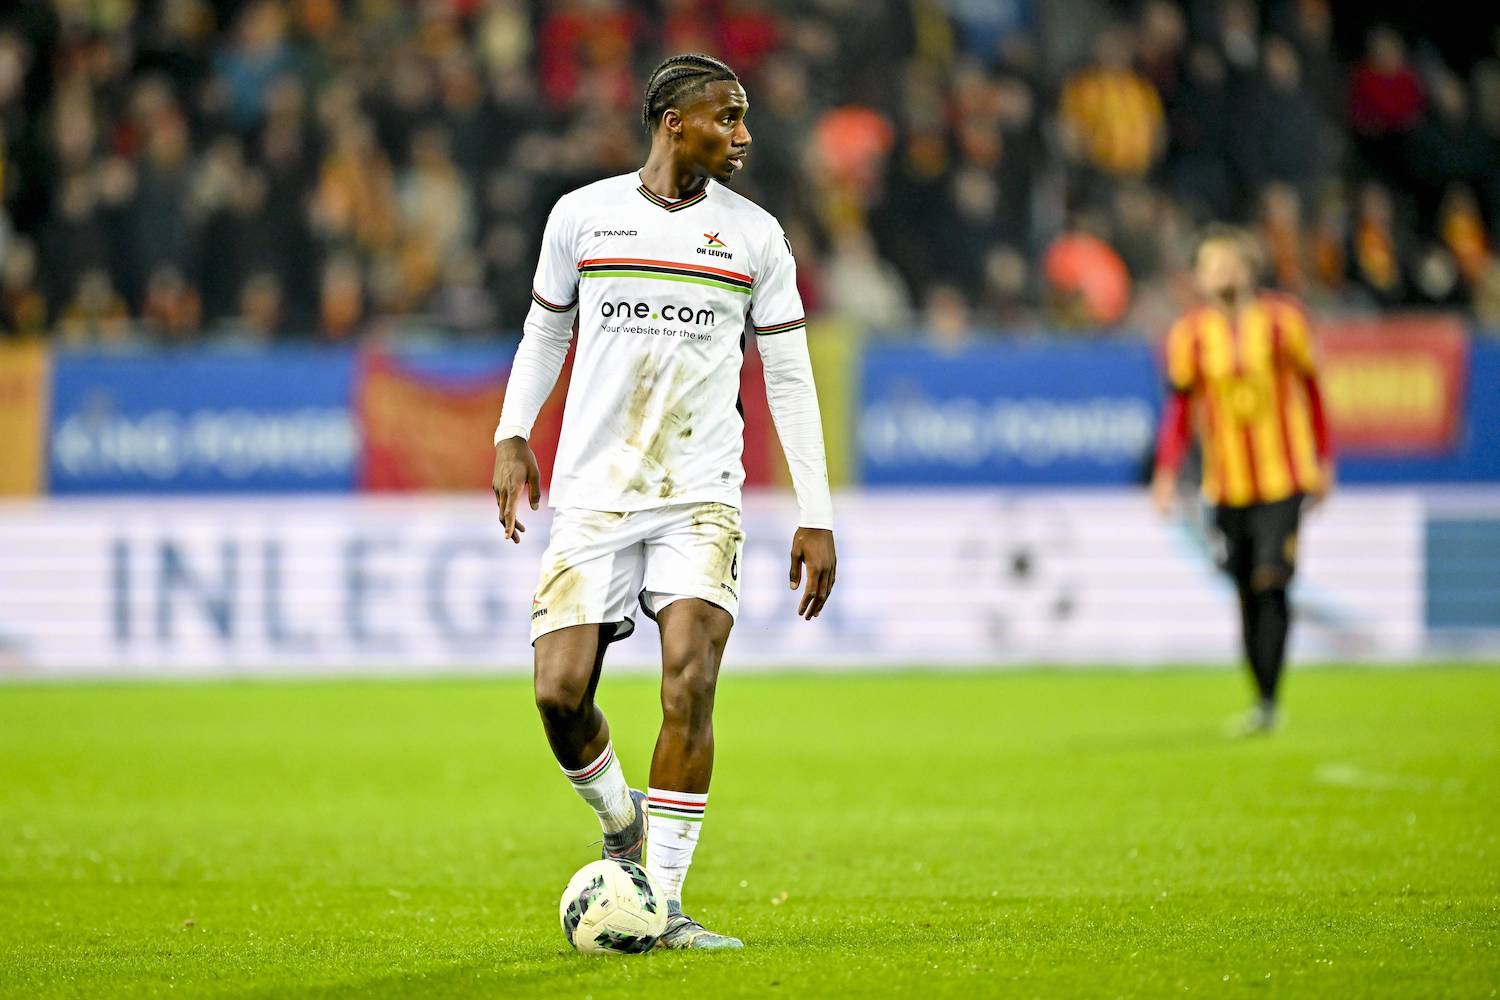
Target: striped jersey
1251,381
664,291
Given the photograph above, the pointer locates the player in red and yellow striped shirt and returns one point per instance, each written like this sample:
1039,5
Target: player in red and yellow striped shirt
1240,369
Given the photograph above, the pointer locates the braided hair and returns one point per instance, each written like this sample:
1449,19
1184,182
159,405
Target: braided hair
672,81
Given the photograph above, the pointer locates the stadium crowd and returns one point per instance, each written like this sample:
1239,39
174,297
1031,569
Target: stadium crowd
174,170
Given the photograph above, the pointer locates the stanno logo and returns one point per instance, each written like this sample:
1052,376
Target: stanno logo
615,232
713,240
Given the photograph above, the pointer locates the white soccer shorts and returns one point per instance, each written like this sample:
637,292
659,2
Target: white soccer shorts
599,565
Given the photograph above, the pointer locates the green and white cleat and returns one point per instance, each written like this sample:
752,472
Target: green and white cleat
685,932
629,843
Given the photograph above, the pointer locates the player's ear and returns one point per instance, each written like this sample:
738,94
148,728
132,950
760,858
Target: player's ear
671,120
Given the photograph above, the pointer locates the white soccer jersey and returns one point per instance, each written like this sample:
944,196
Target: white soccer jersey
663,290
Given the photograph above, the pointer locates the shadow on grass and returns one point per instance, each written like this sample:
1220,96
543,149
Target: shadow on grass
1158,740
536,975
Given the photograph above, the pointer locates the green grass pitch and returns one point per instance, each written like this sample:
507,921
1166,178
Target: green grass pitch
961,834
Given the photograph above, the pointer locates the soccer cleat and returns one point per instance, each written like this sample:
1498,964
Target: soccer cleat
1260,720
685,932
629,843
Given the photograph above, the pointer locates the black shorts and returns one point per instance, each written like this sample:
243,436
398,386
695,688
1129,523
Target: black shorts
1259,539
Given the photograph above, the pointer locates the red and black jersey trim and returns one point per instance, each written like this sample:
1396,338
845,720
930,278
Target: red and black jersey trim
668,204
551,306
700,272
787,327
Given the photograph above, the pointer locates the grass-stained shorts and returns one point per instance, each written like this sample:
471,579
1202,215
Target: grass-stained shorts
599,565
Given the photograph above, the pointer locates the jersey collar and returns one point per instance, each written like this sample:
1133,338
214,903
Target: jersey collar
674,206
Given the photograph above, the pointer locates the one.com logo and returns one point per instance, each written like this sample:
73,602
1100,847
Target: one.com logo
625,309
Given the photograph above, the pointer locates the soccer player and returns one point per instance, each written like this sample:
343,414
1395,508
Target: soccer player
662,269
1241,368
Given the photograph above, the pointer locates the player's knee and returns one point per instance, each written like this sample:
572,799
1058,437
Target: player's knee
1269,578
687,693
559,698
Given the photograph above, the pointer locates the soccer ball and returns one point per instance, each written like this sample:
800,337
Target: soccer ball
611,906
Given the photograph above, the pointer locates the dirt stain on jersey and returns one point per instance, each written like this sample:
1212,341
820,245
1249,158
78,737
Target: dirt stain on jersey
651,440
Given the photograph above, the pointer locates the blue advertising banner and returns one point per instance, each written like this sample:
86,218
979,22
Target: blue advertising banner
203,421
1008,414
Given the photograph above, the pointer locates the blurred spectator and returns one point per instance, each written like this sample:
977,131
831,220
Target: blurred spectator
783,118
1003,293
342,301
1487,114
585,52
1112,118
1329,243
464,304
355,202
1386,100
748,34
1378,255
1281,234
259,317
173,311
862,287
1200,170
158,225
1087,283
1239,36
1281,126
1447,147
945,317
285,168
24,307
1462,231
851,144
911,220
1385,96
73,241
990,32
504,36
256,54
1161,45
97,314
1487,297
1137,228
1310,29
437,213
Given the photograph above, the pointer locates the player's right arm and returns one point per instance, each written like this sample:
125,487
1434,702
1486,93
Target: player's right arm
781,336
1175,433
533,373
1297,353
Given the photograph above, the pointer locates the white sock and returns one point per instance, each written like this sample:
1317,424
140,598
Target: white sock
602,785
676,818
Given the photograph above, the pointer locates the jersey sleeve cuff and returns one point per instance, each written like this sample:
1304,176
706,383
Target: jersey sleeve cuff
511,431
820,517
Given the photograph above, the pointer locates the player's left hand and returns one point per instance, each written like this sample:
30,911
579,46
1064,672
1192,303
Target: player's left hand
515,472
1163,491
1326,478
814,548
